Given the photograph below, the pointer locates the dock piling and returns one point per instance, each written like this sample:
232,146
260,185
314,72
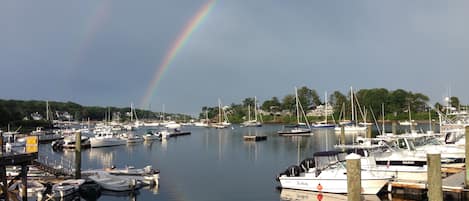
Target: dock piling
78,155
4,181
467,156
353,177
24,181
368,131
434,181
394,127
342,134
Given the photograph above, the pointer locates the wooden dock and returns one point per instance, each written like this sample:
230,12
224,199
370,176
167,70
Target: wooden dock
453,183
254,138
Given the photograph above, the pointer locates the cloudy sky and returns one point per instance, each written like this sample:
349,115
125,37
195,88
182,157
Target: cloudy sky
107,52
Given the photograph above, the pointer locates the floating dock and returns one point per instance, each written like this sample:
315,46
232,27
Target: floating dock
255,137
179,133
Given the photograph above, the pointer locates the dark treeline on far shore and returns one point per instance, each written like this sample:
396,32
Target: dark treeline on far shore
282,110
32,113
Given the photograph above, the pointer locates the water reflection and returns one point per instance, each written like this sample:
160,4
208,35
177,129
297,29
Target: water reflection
213,164
297,195
102,156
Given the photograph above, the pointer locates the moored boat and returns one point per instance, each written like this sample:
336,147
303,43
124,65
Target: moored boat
326,172
114,183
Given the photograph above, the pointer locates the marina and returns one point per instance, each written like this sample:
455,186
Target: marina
215,149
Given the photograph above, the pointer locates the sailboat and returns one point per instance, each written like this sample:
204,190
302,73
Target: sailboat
324,123
252,122
353,127
203,123
409,122
301,128
221,115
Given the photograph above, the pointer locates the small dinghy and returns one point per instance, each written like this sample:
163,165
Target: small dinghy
66,188
148,175
114,183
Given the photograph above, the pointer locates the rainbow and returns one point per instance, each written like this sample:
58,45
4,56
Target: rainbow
175,47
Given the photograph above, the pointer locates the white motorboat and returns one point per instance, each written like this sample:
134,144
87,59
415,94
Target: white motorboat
114,183
131,138
69,142
326,172
150,135
106,139
147,175
66,188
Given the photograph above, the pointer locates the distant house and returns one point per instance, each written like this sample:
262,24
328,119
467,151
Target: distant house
63,116
36,116
321,111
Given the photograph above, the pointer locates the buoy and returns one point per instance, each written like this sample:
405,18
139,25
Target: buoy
319,187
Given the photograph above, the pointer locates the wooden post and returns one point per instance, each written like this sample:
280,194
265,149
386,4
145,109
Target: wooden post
3,176
78,155
368,129
354,185
434,181
342,134
1,143
467,156
394,127
24,181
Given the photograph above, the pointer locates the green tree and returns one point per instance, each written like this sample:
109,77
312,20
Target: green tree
289,103
272,105
454,101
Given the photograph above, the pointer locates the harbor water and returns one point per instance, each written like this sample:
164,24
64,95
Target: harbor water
210,164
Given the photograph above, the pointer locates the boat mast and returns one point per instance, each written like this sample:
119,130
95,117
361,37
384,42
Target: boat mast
255,108
351,105
131,112
430,119
249,112
410,119
325,105
382,110
219,110
297,107
47,110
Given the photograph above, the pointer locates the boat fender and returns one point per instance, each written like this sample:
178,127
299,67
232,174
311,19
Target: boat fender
319,187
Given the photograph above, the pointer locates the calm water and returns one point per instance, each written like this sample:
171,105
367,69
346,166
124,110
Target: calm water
210,164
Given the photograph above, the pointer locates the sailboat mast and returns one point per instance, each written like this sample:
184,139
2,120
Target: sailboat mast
410,118
47,110
382,109
255,108
249,112
131,112
219,110
351,103
325,105
430,119
297,107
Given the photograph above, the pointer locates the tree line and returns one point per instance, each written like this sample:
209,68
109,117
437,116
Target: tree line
18,112
396,105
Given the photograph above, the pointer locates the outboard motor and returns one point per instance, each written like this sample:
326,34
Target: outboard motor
306,164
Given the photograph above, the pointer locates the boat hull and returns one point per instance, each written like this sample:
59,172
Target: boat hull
369,186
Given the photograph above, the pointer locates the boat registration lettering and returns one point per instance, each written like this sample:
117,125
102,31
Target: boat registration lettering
301,183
